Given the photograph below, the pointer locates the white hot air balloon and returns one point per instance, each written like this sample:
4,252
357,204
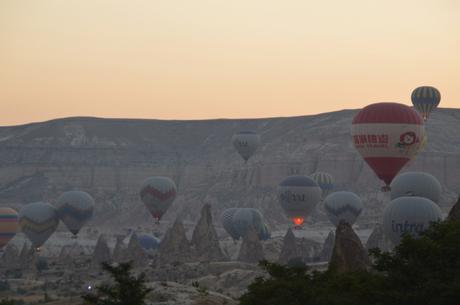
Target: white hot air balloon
325,182
246,143
416,184
343,206
409,215
75,209
298,196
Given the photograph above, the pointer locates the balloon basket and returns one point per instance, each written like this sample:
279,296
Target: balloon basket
74,237
385,188
298,227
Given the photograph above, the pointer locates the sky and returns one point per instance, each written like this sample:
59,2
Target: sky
197,59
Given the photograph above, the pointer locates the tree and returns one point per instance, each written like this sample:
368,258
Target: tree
127,289
424,270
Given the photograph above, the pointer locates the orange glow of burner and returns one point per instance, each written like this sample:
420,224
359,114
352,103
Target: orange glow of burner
298,220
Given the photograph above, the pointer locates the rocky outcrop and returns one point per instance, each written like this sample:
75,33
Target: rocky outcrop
64,257
349,253
290,250
454,213
10,257
205,242
175,247
251,250
27,258
119,250
377,239
135,252
25,255
101,252
328,247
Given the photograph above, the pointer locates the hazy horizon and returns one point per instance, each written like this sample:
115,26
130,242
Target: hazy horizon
217,59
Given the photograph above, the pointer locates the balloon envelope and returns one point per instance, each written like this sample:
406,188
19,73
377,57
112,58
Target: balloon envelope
343,206
246,143
298,196
148,242
158,194
425,99
409,215
74,209
387,136
227,222
38,221
8,225
245,218
416,184
325,182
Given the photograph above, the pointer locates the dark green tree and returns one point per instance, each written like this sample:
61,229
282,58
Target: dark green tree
127,289
425,270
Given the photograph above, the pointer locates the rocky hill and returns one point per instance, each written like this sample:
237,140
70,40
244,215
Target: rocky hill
109,158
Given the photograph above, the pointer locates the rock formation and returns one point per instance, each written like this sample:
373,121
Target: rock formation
205,242
119,250
10,257
27,258
25,255
135,252
290,250
101,252
454,213
377,239
328,247
251,250
64,256
349,253
175,247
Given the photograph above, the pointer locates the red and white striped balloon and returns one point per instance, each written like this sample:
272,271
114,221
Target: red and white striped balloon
387,135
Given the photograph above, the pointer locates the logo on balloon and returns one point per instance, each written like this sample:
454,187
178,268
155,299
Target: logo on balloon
407,227
407,139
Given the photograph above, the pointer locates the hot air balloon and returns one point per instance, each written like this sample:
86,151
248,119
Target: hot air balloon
38,221
158,193
343,206
425,100
245,218
325,182
409,215
148,242
387,135
246,143
8,225
298,196
74,209
416,184
227,222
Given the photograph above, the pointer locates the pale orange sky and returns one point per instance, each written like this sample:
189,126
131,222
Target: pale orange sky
196,59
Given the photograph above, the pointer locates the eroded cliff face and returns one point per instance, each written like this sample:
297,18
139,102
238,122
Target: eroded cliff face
109,158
